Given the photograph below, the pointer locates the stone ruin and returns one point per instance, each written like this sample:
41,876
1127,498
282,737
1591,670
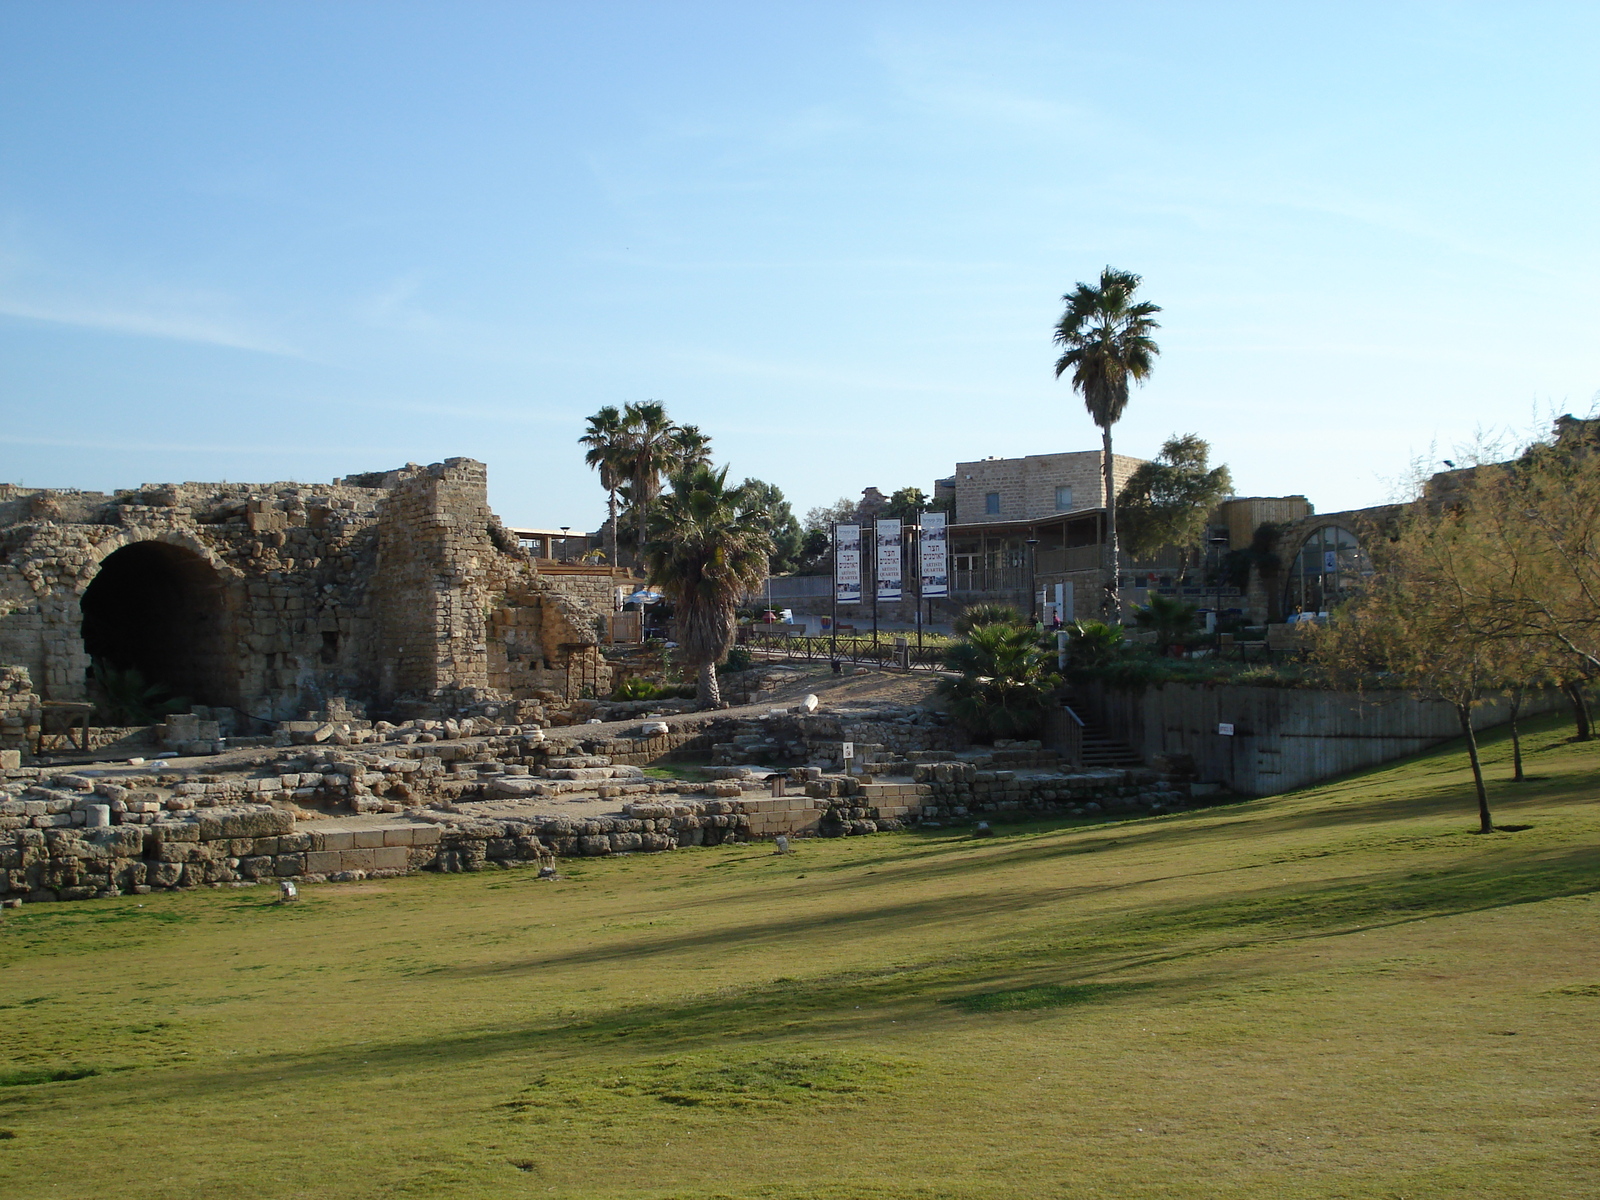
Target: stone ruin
470,794
394,593
402,688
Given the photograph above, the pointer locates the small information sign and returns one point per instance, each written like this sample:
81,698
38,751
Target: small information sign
849,749
1225,729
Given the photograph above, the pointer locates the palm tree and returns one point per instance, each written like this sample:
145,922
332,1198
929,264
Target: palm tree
692,447
1006,680
705,552
652,450
1106,342
607,453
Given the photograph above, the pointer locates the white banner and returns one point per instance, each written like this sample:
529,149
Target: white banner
890,583
935,556
847,564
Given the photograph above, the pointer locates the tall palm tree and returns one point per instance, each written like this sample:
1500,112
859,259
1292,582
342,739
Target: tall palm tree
705,552
651,452
693,448
1105,340
607,453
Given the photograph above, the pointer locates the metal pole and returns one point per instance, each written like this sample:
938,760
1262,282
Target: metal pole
874,589
918,564
833,652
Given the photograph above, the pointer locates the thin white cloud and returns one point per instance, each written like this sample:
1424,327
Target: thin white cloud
142,322
341,450
392,307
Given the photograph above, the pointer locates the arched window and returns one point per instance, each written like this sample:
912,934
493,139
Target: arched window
1330,563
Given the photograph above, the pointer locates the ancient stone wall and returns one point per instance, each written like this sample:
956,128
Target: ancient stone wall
270,600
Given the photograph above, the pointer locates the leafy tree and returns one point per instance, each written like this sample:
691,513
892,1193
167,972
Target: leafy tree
1106,344
607,454
788,540
814,547
1530,550
841,512
1166,501
905,504
1410,625
706,550
1006,681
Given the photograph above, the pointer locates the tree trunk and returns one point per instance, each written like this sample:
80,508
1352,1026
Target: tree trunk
1112,560
611,536
710,695
1580,710
1516,738
1464,714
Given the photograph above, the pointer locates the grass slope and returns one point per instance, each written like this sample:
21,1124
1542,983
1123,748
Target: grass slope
1339,993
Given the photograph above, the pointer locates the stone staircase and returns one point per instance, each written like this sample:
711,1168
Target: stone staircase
1103,750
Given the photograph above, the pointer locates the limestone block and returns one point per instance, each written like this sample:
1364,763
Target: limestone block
356,860
323,862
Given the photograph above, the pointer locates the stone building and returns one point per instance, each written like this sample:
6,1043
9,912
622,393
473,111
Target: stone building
395,591
1034,487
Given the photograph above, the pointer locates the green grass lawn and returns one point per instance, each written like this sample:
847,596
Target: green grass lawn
1340,993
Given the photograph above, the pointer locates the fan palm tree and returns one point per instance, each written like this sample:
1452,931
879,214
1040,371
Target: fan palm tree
1105,339
1005,683
706,552
606,439
651,450
693,448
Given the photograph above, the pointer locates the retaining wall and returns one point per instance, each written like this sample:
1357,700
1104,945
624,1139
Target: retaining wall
1283,738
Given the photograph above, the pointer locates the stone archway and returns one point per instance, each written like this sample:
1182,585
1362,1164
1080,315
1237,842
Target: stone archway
162,609
1326,563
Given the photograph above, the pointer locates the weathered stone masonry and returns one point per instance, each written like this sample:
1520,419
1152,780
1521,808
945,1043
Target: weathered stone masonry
385,590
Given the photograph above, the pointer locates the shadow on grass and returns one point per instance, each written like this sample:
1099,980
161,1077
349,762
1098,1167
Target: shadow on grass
1024,974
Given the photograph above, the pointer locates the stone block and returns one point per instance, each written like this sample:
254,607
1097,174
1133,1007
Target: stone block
367,839
355,860
397,837
390,858
334,841
324,862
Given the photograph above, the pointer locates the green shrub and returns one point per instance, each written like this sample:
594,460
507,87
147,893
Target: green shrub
986,613
739,659
636,687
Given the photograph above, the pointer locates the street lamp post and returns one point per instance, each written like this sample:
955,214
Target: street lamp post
1216,569
1033,580
914,557
562,557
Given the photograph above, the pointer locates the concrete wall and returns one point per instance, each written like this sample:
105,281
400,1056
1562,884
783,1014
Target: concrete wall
1284,738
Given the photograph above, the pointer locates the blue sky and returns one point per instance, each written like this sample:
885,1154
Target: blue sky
283,241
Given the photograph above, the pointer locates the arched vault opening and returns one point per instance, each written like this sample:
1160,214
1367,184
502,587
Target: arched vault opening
160,609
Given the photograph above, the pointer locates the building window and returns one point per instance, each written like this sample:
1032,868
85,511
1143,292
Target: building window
991,503
1063,499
